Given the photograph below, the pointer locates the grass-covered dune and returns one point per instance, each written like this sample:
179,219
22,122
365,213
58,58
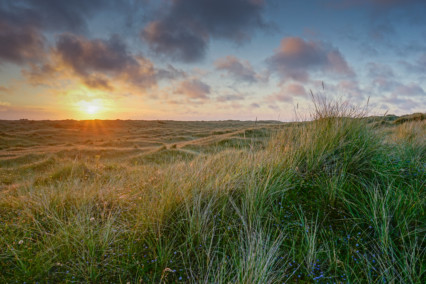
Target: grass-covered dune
339,199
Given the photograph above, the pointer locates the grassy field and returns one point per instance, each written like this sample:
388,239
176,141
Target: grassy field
340,199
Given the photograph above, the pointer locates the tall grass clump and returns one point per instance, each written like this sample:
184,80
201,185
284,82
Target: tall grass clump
332,150
347,178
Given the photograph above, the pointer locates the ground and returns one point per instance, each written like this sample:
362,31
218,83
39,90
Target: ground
338,199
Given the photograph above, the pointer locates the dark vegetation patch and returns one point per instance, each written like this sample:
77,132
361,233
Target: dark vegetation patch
411,117
163,156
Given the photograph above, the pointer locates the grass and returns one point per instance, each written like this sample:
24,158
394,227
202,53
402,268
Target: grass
333,200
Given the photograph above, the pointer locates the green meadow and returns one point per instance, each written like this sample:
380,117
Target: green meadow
339,198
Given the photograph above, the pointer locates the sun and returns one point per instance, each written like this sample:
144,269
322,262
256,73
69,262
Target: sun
90,109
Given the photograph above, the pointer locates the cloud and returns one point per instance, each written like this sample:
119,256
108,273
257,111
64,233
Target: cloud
85,56
20,43
419,66
287,93
368,49
377,4
98,83
409,90
228,98
401,103
52,15
170,73
19,112
183,45
382,76
239,69
97,63
23,23
382,31
41,74
386,16
296,59
352,90
184,31
379,70
384,84
4,106
194,89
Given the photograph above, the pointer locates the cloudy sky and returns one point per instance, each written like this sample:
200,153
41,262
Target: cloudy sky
208,59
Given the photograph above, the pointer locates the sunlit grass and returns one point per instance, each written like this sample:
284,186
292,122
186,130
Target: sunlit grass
334,200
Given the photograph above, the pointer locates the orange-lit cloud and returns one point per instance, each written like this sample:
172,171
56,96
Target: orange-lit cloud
296,59
95,63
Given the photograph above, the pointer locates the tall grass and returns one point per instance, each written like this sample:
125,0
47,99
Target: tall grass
329,200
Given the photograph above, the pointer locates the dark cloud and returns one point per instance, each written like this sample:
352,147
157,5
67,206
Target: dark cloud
23,23
184,45
85,56
88,58
20,43
97,63
296,58
52,15
40,74
98,83
184,31
238,69
194,89
170,73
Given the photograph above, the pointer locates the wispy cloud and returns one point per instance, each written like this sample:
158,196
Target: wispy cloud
287,94
193,89
240,70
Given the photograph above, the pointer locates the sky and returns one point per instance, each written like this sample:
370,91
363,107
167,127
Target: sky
209,59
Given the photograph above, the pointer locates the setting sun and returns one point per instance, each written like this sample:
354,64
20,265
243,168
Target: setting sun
91,109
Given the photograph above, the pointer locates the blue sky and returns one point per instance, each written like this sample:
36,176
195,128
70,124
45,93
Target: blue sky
208,59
